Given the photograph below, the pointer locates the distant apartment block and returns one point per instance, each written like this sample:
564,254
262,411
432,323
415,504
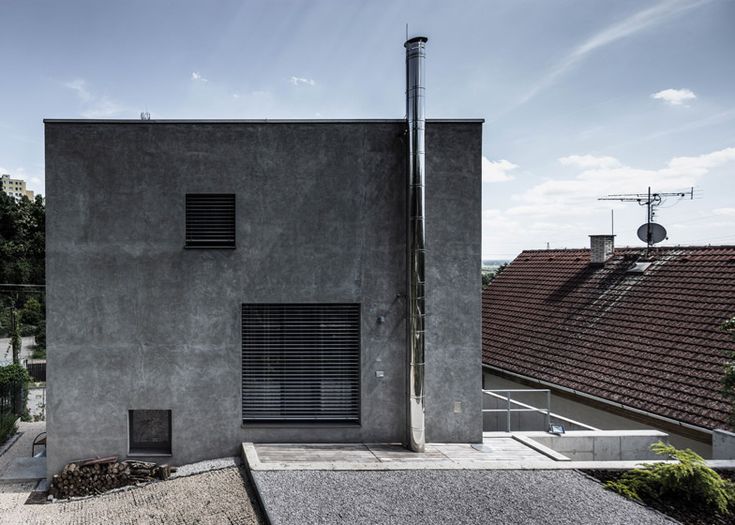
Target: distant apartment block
14,187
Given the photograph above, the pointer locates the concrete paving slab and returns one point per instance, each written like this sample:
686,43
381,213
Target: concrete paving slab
25,469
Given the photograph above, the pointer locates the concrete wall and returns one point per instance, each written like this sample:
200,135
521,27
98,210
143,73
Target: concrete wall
137,322
602,445
605,420
723,444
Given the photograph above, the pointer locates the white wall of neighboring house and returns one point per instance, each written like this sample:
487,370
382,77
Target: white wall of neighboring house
592,416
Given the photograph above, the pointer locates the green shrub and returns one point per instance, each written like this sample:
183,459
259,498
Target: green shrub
689,482
7,425
10,376
13,373
41,337
31,313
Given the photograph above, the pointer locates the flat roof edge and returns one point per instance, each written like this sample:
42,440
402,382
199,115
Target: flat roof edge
251,121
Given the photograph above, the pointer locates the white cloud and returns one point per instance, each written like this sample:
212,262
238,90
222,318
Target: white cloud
300,81
675,97
640,21
198,77
589,161
578,196
496,170
94,106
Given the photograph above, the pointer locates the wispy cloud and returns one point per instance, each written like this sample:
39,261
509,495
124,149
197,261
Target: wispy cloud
197,77
675,97
301,81
640,21
497,170
589,161
79,86
94,106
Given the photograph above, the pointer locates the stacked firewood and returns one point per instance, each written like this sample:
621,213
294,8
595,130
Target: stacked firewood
97,475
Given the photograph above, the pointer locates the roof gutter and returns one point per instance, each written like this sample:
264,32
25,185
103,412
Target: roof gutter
628,408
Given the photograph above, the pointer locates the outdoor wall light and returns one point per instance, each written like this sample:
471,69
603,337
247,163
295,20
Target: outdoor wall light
556,429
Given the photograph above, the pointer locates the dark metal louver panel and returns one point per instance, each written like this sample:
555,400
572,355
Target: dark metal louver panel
301,362
210,220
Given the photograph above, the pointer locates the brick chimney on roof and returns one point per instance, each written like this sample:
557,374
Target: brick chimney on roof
601,248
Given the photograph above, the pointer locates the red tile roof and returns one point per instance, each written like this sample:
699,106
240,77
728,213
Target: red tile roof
650,341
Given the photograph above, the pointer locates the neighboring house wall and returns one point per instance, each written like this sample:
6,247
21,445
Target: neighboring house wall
15,187
135,321
582,412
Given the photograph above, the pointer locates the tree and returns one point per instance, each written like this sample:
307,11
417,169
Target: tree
488,277
22,240
15,340
728,379
22,253
32,312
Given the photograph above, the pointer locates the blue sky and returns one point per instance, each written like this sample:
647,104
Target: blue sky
581,98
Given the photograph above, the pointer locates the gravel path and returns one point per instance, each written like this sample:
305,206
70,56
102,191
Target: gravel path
489,497
212,498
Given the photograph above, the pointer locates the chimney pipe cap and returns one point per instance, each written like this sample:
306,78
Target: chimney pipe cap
415,40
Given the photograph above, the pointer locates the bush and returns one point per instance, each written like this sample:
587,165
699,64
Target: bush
7,425
690,481
14,379
31,313
41,337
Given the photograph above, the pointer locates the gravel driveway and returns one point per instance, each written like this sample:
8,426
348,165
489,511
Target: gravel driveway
506,497
212,498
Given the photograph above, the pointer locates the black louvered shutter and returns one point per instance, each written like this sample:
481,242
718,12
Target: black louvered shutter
301,362
210,220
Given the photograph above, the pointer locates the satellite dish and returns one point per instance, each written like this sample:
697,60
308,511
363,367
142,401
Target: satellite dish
658,232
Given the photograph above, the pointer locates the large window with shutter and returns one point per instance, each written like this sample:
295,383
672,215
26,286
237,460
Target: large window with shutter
210,220
300,363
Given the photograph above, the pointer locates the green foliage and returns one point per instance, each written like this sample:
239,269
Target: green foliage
22,240
487,277
728,377
8,426
12,374
31,313
689,482
39,352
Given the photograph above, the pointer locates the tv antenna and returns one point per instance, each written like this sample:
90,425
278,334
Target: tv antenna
651,233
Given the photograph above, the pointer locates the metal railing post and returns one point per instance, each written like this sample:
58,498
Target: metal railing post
548,409
508,411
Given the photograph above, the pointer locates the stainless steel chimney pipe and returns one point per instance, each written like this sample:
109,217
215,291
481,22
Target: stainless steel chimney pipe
416,121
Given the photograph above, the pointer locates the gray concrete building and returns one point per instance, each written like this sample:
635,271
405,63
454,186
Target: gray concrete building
214,282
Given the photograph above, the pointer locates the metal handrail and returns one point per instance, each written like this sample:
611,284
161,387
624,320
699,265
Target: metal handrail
508,410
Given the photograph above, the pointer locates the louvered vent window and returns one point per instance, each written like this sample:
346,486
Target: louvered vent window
210,220
301,363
